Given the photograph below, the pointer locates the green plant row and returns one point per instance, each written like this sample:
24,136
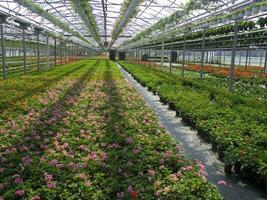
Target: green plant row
235,125
89,135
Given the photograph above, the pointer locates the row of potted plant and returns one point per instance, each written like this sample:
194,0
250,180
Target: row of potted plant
88,135
84,9
118,26
235,125
250,9
34,7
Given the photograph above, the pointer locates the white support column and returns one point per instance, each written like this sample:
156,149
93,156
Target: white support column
162,54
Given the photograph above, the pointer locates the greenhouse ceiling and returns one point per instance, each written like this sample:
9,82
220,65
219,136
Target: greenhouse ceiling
102,23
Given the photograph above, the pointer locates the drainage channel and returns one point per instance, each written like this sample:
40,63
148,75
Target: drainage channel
195,148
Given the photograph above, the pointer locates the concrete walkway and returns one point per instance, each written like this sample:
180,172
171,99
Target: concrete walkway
194,148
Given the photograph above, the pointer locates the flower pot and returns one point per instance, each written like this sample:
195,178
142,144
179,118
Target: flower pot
241,15
178,113
214,145
228,168
220,155
263,8
237,168
246,173
235,17
255,10
171,106
205,25
248,12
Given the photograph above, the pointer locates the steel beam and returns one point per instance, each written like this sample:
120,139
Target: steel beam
183,61
232,68
162,54
203,53
55,40
171,56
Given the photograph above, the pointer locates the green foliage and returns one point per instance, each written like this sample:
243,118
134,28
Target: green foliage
236,123
79,131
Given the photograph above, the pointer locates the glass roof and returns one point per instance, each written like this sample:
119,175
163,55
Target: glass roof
105,13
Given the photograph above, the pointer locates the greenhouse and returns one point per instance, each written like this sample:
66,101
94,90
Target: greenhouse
133,99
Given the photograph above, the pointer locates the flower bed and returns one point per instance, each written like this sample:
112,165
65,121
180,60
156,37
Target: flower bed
81,132
235,125
240,72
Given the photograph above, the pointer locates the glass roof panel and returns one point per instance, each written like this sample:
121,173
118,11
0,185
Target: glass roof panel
105,13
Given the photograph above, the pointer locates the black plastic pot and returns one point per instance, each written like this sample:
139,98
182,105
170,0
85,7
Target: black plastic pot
228,168
237,168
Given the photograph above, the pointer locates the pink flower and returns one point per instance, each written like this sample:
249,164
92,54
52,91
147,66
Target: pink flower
92,156
222,182
48,177
82,176
157,193
51,185
130,188
201,165
178,148
174,177
137,150
2,186
104,156
18,180
120,195
114,146
24,148
157,183
65,145
82,147
187,168
150,172
26,160
2,169
129,140
19,193
88,183
103,144
42,159
54,162
167,189
1,198
46,140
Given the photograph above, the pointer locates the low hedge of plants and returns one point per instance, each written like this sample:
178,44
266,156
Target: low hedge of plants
235,125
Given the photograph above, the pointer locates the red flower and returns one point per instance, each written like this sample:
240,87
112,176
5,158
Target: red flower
134,194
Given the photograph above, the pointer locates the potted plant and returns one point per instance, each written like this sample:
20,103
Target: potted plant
255,9
248,11
251,25
261,22
235,16
241,14
263,7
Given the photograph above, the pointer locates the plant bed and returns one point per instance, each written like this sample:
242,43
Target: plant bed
88,135
230,120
